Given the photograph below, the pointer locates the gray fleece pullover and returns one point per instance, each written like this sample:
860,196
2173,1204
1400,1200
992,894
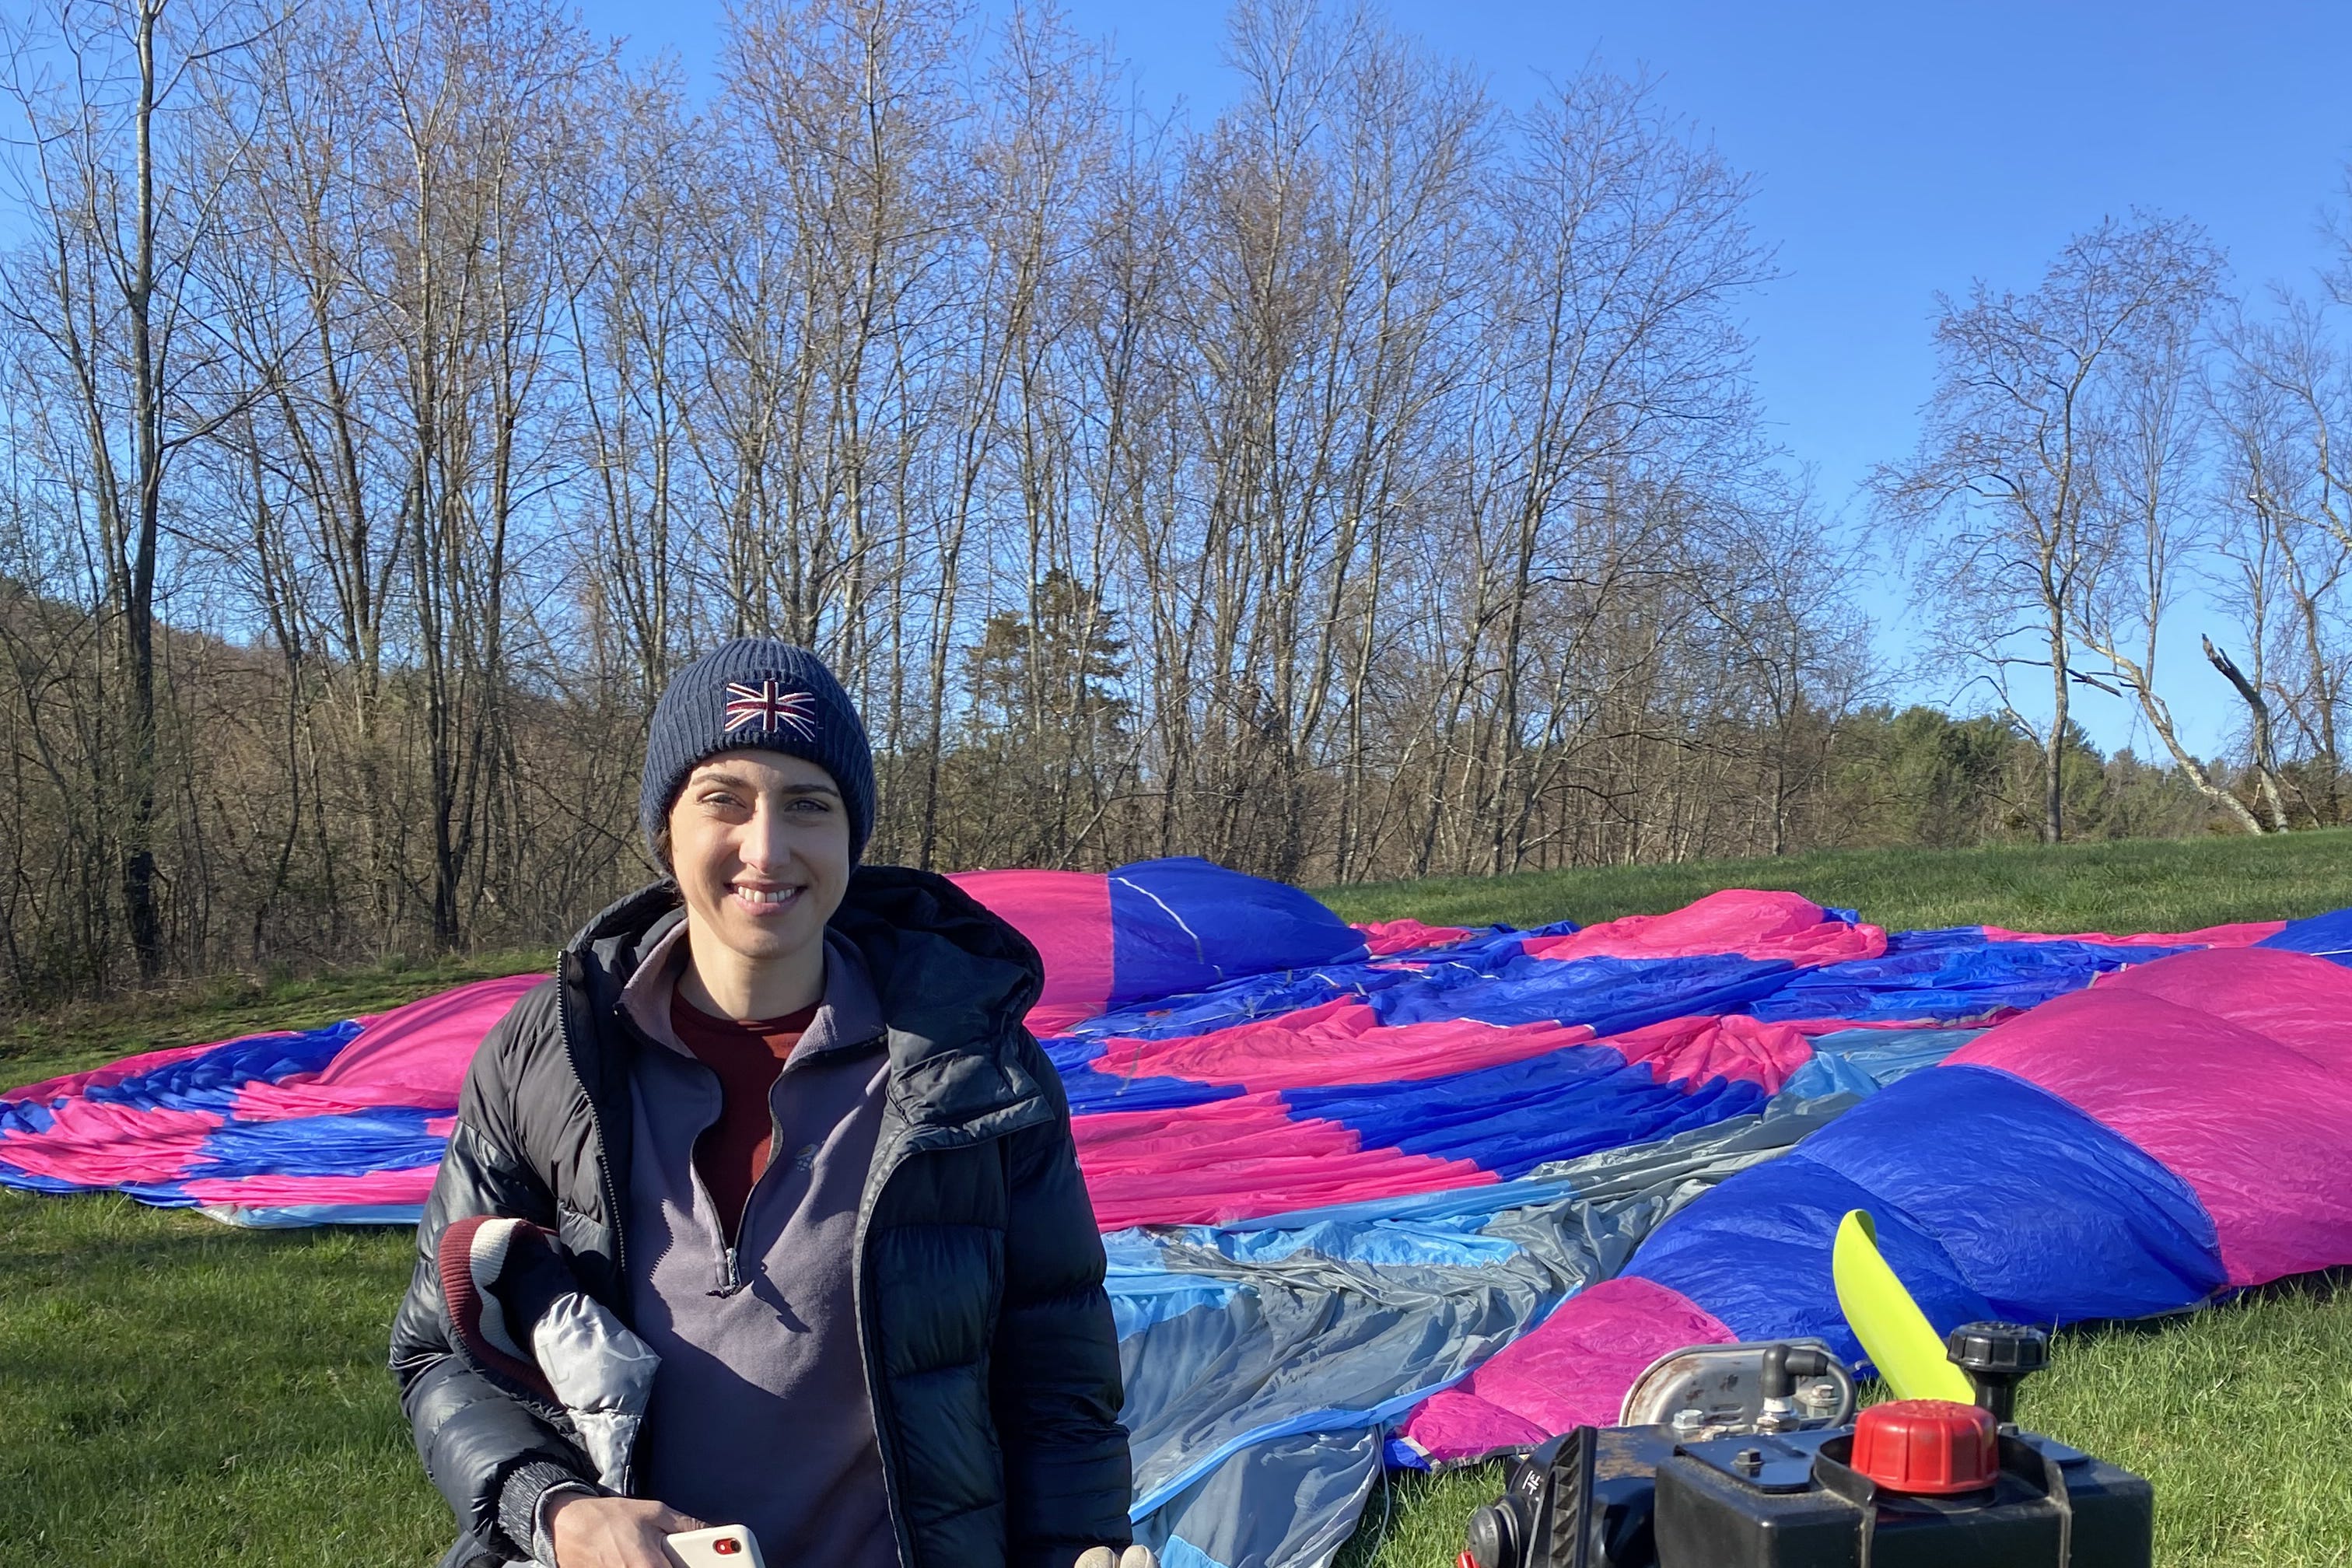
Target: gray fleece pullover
760,1414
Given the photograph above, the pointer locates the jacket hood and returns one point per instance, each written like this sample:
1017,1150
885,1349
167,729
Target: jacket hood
953,979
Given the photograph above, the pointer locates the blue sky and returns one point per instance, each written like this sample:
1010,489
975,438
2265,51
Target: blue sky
1897,149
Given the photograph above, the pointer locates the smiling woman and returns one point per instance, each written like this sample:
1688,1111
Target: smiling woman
777,1113
759,846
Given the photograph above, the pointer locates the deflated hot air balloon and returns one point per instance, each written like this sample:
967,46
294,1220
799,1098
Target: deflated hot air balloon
1410,1196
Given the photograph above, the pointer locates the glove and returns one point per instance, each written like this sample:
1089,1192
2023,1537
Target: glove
1112,1557
518,1310
499,1277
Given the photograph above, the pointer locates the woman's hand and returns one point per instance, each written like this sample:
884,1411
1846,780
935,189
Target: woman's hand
613,1531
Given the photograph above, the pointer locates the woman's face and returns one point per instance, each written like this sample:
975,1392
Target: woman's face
759,842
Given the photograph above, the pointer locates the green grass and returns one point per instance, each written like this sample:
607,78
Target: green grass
2236,1415
2123,887
174,1391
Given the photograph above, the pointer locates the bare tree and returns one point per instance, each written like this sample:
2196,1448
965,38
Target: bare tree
1619,244
843,207
105,300
1042,148
479,144
1333,209
628,279
2284,396
2017,445
1792,642
2155,515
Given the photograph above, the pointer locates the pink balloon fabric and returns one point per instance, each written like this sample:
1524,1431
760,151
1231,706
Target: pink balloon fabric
72,1084
2238,933
2296,1002
2229,1069
98,1144
378,1191
1701,1050
1243,1158
1066,915
1336,1042
1761,925
2221,1066
413,1056
1385,938
232,1126
1573,1370
392,1079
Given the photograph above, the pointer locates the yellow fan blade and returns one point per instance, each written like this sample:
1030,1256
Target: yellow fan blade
1904,1345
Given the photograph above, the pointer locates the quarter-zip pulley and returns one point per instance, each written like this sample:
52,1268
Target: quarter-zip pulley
734,1281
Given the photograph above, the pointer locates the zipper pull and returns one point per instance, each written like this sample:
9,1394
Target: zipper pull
732,1283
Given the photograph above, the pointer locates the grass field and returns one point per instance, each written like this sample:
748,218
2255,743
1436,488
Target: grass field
175,1392
2122,887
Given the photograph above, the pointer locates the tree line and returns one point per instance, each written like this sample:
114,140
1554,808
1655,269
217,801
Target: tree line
2127,446
1365,483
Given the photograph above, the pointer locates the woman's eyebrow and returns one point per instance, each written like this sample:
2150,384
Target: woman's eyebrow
739,781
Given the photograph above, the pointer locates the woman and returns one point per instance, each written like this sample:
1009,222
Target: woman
778,1114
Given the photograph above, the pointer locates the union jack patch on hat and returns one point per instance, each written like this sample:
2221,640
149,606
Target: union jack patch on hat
763,693
771,709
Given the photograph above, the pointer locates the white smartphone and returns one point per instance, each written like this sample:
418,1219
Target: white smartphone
721,1546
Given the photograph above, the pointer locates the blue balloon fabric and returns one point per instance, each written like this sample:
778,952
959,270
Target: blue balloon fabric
1377,1196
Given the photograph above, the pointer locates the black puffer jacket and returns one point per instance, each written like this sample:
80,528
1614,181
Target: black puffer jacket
997,1408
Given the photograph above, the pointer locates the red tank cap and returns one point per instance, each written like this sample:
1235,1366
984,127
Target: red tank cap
1935,1447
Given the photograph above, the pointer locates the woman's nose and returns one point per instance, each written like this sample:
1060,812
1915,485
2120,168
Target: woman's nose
764,839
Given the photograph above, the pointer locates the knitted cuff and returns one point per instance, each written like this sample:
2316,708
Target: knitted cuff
519,1495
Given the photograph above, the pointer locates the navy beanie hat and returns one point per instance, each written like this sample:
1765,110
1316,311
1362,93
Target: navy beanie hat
757,692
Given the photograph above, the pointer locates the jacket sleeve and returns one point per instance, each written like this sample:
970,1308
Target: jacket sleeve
1054,1384
472,1433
